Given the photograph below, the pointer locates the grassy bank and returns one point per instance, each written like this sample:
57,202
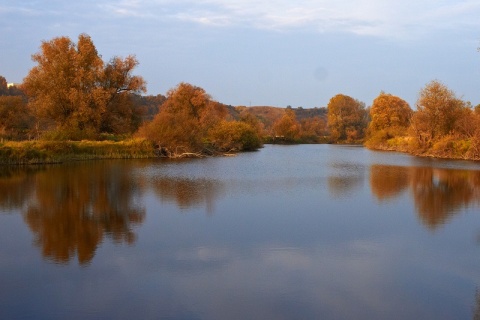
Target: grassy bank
38,152
446,148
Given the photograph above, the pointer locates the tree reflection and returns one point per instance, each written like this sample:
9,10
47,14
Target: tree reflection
16,185
437,193
187,193
75,206
346,179
344,185
388,181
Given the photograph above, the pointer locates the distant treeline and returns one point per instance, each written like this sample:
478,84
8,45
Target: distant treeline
71,94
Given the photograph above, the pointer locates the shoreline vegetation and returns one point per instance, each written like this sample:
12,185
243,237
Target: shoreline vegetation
54,152
96,110
48,152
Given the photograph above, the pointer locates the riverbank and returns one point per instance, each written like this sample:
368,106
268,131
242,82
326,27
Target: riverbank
447,148
42,152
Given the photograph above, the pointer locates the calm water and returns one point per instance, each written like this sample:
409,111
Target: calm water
289,232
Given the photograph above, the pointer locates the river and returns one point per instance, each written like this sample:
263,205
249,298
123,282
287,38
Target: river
288,232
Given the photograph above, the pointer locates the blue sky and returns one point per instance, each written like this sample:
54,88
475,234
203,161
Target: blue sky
259,52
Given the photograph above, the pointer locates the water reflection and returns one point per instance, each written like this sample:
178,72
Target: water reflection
388,182
71,208
188,193
437,193
345,178
291,239
16,185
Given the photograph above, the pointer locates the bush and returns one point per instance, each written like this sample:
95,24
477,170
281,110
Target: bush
235,136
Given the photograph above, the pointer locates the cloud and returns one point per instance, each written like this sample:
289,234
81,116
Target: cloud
365,17
379,18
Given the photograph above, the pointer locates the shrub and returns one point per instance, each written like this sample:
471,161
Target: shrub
235,136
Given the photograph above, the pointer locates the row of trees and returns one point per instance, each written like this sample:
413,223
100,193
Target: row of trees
189,121
72,94
346,121
443,125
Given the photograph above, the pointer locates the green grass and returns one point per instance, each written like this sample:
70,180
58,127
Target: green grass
38,152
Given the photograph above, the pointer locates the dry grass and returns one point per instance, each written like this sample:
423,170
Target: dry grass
37,152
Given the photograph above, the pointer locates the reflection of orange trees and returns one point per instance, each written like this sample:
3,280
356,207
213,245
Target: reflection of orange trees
15,186
388,181
344,185
75,207
437,193
188,193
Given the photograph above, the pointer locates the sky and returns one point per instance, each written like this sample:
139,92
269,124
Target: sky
264,52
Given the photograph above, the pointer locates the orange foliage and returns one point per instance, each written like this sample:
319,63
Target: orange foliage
71,86
287,126
184,119
347,118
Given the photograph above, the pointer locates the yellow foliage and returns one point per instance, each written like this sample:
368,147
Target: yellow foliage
235,136
347,118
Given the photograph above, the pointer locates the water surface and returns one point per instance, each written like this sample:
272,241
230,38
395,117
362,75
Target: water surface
289,232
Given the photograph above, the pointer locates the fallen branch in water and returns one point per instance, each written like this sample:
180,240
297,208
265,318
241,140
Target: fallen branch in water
182,152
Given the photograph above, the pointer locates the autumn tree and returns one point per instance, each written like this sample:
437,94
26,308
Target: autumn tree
3,86
148,105
73,91
123,115
184,120
190,122
313,129
246,134
253,121
12,90
347,118
287,126
15,118
390,117
438,113
235,136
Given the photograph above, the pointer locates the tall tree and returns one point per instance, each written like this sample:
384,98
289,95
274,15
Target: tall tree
390,117
287,126
73,88
389,111
15,118
438,113
313,129
347,118
184,119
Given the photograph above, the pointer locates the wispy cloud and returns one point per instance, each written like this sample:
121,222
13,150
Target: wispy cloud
381,18
365,17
